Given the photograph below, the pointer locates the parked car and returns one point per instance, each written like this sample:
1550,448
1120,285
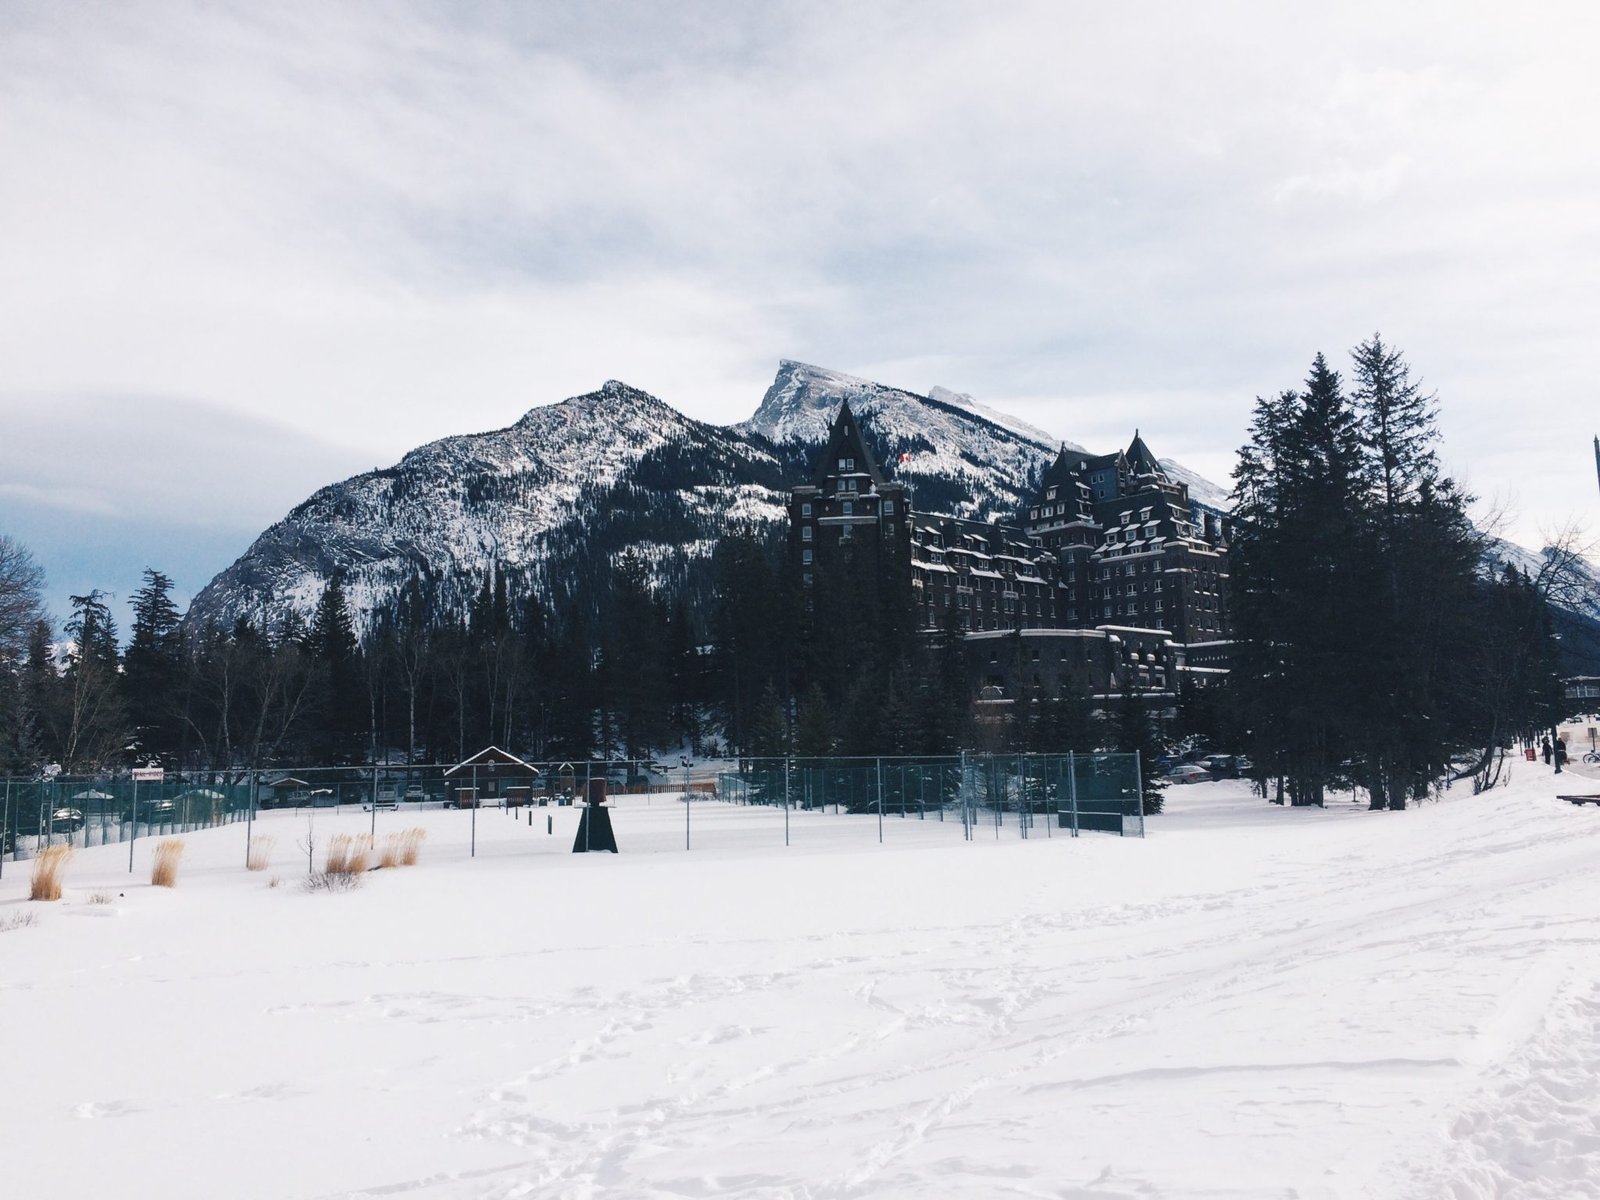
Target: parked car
1221,766
162,810
66,820
414,794
1189,773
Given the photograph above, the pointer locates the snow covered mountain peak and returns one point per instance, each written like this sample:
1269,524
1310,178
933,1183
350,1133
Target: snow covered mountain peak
1017,426
573,485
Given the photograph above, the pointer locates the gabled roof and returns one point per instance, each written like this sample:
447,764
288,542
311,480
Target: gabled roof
845,441
492,754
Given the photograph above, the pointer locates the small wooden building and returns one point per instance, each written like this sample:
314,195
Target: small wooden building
491,775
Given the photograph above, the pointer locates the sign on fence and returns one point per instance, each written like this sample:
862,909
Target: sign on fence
149,774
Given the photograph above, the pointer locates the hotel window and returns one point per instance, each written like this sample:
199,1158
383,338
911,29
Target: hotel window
847,464
805,556
808,578
849,508
805,509
805,533
888,508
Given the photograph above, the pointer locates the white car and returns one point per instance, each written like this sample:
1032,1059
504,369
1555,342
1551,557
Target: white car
1188,773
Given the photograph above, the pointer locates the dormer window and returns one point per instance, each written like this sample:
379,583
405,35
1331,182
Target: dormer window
1051,494
847,464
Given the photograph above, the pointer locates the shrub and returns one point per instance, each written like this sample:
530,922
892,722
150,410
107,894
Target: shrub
100,898
360,854
164,873
18,920
260,853
47,868
332,881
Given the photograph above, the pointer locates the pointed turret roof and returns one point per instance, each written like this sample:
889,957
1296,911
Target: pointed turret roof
845,441
1140,460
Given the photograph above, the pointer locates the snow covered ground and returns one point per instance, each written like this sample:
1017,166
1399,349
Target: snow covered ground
1251,1002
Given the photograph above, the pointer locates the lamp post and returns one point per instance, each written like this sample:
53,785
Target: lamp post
1555,735
683,759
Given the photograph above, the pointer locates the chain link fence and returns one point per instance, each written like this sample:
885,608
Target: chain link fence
747,803
1029,793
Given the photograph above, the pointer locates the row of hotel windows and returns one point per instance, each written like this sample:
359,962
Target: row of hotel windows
848,507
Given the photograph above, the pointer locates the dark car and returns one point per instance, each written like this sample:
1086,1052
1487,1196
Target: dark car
161,810
1221,766
66,820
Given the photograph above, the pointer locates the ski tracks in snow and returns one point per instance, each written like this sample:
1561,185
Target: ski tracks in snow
1533,1130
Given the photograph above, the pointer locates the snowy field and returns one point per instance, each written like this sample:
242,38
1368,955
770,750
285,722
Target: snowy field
1251,1002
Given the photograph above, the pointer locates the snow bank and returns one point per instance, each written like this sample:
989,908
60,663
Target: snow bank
1252,1002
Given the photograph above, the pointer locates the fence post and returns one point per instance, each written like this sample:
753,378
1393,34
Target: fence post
880,801
1138,789
5,830
1072,788
249,814
133,824
374,833
474,853
787,760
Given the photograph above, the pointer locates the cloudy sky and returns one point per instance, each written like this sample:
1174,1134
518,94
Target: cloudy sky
253,249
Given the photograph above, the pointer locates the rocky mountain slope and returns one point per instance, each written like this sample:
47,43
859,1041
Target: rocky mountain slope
558,496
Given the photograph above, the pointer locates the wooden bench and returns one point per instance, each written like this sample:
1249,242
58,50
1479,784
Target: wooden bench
1593,798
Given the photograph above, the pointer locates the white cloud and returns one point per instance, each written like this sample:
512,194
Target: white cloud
381,226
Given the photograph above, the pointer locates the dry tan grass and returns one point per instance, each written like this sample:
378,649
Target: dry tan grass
360,854
164,871
260,856
411,845
47,868
338,860
275,881
18,920
401,849
100,898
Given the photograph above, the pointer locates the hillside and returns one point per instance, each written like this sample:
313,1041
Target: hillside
558,496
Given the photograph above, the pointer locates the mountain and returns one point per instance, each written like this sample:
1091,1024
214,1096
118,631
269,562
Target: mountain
557,497
551,498
958,457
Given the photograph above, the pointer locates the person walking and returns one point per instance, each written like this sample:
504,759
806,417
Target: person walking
1546,752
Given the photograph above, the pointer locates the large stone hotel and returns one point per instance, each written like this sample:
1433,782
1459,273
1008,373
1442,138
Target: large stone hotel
1112,577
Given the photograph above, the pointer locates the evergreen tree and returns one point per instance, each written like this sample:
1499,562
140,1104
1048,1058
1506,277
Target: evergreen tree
814,729
153,668
769,738
21,611
1134,733
90,718
331,643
